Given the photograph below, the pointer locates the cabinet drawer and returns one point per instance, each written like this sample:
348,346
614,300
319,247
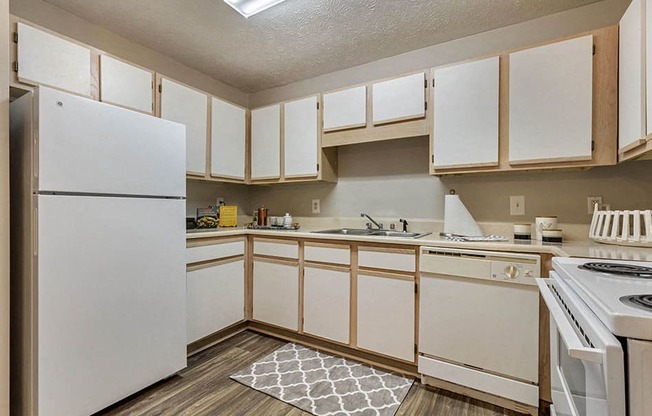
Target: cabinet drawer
214,251
327,254
280,248
402,260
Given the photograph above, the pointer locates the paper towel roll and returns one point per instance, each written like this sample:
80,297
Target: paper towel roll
458,219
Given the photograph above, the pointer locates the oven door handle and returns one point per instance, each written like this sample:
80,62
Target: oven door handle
576,348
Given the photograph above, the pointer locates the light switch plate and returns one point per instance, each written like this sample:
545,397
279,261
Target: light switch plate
517,205
591,201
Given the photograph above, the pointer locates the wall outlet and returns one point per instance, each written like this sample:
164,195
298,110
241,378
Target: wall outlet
315,206
591,201
517,205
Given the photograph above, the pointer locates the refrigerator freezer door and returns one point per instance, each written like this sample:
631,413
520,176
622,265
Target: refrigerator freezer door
90,147
111,299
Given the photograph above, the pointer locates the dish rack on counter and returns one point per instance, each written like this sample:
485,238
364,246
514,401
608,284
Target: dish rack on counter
626,228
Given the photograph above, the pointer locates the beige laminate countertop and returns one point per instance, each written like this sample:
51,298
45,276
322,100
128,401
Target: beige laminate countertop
584,248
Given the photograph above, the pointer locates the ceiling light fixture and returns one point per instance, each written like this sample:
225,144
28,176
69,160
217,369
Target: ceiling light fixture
251,7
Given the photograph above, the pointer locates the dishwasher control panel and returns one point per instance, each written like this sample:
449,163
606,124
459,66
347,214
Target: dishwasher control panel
511,271
477,264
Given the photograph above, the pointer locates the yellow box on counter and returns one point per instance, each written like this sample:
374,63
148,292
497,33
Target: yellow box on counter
228,216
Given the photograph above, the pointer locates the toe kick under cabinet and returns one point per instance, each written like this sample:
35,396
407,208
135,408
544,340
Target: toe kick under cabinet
215,285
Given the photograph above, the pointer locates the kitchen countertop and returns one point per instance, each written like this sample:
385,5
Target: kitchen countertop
581,248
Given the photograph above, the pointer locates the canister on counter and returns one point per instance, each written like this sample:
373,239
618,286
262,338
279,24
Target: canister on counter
522,231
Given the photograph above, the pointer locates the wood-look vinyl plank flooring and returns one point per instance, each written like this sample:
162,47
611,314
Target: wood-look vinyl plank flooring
204,388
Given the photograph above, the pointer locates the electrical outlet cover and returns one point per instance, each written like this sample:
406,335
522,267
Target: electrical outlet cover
316,206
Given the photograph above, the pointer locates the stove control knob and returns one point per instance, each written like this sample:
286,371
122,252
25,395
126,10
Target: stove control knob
511,272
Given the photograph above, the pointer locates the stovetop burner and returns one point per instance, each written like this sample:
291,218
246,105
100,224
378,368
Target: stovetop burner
638,301
631,270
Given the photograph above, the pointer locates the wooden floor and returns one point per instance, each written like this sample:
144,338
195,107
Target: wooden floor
204,388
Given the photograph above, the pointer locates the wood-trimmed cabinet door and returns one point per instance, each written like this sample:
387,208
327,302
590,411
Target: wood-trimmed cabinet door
399,99
189,107
216,298
466,107
345,109
228,140
386,316
326,303
126,85
276,293
50,60
551,102
301,138
266,142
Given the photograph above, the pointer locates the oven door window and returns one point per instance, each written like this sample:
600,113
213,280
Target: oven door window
580,383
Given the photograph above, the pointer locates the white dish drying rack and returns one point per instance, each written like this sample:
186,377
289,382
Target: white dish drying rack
626,228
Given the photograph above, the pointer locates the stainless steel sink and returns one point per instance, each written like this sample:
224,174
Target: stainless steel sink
371,233
346,231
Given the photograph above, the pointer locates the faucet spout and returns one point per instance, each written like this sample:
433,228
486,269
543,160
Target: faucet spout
380,226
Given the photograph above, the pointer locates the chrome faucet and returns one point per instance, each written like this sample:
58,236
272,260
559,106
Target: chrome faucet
380,226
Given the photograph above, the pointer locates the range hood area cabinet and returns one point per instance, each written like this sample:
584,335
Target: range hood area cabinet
286,144
635,82
547,107
388,109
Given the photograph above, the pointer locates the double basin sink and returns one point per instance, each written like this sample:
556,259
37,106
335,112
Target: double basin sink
371,233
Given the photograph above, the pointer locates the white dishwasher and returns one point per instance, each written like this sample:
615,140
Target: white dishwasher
479,321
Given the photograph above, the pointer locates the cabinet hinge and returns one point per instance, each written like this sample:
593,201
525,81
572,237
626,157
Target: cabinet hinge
317,167
425,83
593,145
317,105
416,288
416,348
15,37
594,49
160,87
15,66
432,157
426,105
433,83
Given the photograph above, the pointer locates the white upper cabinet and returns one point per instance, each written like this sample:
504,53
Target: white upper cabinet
190,108
301,138
228,138
126,85
345,109
266,142
631,104
550,102
466,102
45,59
399,99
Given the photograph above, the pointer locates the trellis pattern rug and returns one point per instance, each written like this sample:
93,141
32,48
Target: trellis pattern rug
325,385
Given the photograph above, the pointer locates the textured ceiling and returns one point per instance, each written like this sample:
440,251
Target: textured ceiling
299,39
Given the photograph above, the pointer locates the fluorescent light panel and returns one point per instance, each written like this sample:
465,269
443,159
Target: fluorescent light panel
251,7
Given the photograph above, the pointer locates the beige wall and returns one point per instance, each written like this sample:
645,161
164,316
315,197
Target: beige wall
391,180
4,207
58,20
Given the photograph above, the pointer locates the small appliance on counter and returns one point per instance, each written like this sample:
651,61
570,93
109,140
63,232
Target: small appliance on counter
207,217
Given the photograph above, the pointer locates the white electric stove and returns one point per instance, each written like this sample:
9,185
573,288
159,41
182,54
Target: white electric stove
601,336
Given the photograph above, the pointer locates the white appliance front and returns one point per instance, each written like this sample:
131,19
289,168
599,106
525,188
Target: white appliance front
586,360
85,146
111,299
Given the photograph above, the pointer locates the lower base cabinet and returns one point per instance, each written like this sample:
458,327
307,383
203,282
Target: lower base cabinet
276,294
327,299
386,316
216,298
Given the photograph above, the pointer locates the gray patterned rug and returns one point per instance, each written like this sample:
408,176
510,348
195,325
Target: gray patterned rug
325,385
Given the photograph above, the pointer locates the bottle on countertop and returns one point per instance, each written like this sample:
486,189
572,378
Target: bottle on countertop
287,220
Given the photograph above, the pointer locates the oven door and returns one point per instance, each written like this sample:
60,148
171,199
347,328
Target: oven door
586,360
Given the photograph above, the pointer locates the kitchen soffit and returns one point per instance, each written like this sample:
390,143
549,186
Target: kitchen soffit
299,39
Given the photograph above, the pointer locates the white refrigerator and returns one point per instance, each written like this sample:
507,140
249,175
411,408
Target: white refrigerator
98,245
